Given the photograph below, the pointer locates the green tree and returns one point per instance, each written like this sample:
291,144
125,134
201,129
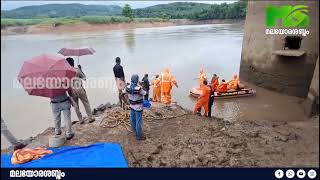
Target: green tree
164,16
127,11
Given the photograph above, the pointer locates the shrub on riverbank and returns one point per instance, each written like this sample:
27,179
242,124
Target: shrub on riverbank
146,20
104,19
117,19
26,22
72,20
19,22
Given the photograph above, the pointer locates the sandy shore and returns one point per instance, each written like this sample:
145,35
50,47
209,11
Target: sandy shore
84,27
193,141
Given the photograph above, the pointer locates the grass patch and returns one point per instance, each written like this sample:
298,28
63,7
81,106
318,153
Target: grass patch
19,22
105,19
150,20
6,22
59,21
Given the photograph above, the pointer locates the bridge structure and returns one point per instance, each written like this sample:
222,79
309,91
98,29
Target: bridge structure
273,58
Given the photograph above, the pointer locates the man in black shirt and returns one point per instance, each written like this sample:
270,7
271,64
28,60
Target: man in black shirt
119,75
211,100
146,86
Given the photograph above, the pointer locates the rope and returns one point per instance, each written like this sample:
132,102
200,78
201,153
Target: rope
118,116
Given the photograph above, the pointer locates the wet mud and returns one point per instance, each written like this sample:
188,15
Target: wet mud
194,141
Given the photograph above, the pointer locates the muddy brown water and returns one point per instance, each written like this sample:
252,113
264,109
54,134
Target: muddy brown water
185,49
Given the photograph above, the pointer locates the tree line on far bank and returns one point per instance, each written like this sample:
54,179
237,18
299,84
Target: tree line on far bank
157,13
177,10
195,11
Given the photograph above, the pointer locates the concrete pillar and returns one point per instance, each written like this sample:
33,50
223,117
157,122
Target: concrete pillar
259,63
311,104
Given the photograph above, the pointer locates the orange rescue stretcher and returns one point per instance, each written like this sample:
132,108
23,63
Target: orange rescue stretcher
195,92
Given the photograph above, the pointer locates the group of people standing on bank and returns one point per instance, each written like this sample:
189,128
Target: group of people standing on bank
138,91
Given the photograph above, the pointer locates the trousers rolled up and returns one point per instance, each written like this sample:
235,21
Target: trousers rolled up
120,83
7,134
82,95
65,109
136,123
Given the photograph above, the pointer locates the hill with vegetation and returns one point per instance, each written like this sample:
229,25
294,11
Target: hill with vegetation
197,11
177,10
61,10
61,14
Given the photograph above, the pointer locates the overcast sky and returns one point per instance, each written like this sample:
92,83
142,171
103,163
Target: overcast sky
8,5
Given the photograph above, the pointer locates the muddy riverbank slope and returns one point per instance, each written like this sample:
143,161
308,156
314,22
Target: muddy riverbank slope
90,28
179,139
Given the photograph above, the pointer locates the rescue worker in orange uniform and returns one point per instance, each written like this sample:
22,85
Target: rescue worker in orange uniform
155,83
234,84
202,77
223,87
167,81
203,100
214,82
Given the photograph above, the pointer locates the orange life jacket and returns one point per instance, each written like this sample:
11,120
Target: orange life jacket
205,93
155,83
223,87
215,83
166,82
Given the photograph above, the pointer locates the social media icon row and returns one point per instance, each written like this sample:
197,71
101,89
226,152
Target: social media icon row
300,174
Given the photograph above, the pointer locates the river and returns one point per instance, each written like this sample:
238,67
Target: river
184,49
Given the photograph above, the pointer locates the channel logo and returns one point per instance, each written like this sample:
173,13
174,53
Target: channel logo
294,20
291,16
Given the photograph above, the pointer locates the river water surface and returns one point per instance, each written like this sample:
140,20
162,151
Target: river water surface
184,49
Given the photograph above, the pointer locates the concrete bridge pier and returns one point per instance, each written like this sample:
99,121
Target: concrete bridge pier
267,60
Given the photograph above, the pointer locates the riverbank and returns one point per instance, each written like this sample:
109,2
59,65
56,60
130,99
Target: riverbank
176,138
90,28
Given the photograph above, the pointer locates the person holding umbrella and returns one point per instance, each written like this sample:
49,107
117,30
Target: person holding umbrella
82,51
62,105
78,92
49,76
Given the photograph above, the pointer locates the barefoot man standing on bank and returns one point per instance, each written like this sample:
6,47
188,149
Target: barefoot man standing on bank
119,75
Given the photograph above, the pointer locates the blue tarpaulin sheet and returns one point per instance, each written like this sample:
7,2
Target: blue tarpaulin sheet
99,155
